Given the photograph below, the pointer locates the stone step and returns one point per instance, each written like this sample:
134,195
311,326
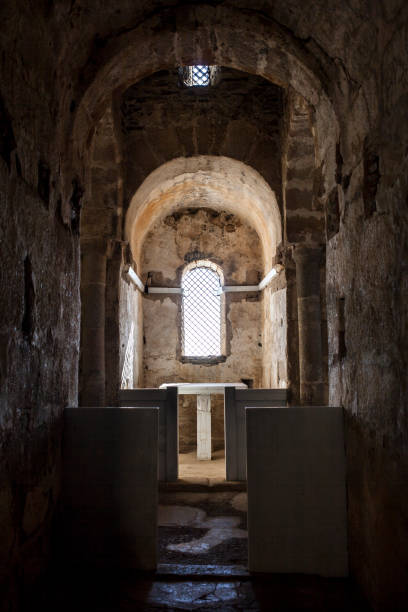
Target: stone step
183,571
203,485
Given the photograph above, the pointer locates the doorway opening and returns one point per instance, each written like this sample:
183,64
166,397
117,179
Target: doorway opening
202,333
201,438
193,218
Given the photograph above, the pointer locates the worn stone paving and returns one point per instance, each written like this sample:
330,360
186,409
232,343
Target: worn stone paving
200,595
131,592
202,528
277,594
202,566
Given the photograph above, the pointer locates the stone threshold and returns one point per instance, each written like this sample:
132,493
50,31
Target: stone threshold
183,571
203,485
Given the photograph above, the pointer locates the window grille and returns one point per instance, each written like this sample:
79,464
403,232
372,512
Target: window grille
201,313
127,371
201,75
198,76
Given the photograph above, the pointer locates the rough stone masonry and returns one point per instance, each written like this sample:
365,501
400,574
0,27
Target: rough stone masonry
314,100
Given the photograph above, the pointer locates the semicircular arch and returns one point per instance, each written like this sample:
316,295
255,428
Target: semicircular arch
214,182
212,35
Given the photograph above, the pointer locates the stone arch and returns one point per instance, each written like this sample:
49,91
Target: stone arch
102,213
357,54
239,117
304,210
207,34
213,183
219,182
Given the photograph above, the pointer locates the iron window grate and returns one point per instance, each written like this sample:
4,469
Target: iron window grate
201,329
199,75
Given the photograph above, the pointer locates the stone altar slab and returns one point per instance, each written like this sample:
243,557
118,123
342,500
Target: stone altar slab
203,392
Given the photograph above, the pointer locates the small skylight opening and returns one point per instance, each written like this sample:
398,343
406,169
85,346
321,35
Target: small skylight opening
199,75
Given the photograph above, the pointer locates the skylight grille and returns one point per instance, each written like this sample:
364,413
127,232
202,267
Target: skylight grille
201,75
198,75
201,333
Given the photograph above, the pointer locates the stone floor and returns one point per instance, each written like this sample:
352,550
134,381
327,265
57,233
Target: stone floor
203,528
190,467
276,594
202,566
131,592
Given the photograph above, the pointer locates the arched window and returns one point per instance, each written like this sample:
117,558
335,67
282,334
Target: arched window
201,311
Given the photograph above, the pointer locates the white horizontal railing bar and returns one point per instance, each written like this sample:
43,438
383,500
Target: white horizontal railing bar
133,277
229,289
239,288
270,276
164,290
275,271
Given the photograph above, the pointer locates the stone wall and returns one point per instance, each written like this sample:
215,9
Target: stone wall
367,290
304,226
173,242
61,66
275,370
238,117
39,336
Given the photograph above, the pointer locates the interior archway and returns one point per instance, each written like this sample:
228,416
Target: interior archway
206,181
217,209
65,69
279,59
274,54
307,82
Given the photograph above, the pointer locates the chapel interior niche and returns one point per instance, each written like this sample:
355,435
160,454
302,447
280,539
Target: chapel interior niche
240,117
226,240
